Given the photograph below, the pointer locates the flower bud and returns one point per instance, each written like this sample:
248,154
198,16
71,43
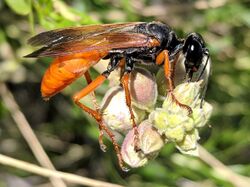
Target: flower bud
150,140
143,89
150,143
186,93
115,112
171,124
189,143
129,155
201,114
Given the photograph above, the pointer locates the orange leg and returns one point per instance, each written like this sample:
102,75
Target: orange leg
164,58
125,84
89,80
95,114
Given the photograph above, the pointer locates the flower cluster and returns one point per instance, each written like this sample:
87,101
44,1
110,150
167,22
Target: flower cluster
160,121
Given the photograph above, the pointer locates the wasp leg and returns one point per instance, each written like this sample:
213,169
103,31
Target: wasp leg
95,114
89,80
125,83
92,85
116,60
97,108
164,58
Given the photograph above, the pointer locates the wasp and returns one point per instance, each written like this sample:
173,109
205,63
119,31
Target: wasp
76,49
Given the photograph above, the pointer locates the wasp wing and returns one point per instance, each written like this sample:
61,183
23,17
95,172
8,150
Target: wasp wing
105,37
100,43
57,36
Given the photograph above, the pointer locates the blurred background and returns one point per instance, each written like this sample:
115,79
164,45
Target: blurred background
70,137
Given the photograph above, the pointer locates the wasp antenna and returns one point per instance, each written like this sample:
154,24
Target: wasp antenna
204,68
203,95
199,78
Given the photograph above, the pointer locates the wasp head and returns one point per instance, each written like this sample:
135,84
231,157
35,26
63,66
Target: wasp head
194,50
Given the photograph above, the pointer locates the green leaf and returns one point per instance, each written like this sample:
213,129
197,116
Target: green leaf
21,7
2,36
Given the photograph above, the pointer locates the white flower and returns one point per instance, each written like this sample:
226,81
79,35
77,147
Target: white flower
173,121
115,112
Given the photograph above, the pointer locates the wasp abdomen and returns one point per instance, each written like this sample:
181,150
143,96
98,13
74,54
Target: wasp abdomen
62,72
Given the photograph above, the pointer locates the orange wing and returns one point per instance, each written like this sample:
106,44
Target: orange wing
63,42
